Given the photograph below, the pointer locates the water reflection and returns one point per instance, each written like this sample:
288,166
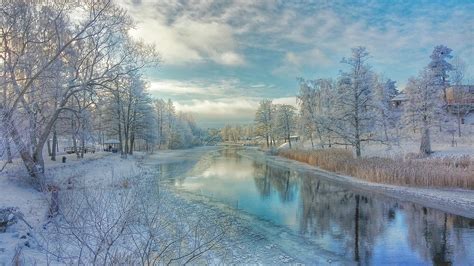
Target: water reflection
369,229
283,180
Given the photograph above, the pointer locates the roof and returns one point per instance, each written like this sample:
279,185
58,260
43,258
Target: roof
111,141
400,97
466,88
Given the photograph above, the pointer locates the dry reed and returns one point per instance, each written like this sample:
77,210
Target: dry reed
446,172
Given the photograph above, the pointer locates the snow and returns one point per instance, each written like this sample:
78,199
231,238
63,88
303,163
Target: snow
16,191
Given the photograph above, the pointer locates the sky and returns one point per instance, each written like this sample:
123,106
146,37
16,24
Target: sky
220,58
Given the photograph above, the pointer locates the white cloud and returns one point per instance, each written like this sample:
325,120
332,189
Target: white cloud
232,109
292,58
285,100
231,59
205,88
227,109
176,87
182,39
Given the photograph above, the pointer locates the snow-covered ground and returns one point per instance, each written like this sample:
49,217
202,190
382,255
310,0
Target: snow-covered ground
441,144
16,191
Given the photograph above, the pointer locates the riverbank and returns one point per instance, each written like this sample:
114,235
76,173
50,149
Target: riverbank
455,201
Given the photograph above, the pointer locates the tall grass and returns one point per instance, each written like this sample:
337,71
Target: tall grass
454,173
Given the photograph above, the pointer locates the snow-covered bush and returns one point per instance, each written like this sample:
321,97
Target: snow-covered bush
446,172
134,224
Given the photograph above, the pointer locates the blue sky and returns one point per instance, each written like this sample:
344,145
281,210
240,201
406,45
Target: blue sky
220,58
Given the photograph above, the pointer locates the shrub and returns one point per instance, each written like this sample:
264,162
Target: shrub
411,171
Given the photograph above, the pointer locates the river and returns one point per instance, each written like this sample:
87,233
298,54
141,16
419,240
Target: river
308,216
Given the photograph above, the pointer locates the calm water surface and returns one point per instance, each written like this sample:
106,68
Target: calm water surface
364,228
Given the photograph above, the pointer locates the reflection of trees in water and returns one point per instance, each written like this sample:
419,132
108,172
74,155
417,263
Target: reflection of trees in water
231,153
354,220
262,181
436,235
281,179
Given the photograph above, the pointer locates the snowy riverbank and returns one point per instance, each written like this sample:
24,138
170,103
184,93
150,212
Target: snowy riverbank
455,201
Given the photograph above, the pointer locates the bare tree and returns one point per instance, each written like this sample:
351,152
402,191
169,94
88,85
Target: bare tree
285,122
264,119
354,104
48,56
424,106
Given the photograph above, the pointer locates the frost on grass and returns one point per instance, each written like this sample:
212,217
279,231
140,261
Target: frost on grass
129,221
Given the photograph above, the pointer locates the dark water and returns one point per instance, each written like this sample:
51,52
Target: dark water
364,228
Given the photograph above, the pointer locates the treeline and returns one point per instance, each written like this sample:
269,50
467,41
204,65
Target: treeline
78,77
236,133
357,107
175,130
275,121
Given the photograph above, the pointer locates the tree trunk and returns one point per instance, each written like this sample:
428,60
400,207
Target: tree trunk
126,139
289,140
425,146
459,122
132,143
9,151
55,144
74,141
83,141
357,146
48,143
35,169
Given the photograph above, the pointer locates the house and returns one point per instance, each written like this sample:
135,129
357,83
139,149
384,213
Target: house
398,100
111,145
460,99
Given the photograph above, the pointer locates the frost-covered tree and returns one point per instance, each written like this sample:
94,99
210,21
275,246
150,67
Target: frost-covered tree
354,107
285,121
309,100
459,70
264,119
316,100
175,130
440,68
457,78
385,118
160,109
51,58
424,106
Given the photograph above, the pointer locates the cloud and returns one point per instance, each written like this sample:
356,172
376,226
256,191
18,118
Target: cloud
231,59
175,87
221,109
293,59
226,110
285,100
301,32
205,88
182,38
